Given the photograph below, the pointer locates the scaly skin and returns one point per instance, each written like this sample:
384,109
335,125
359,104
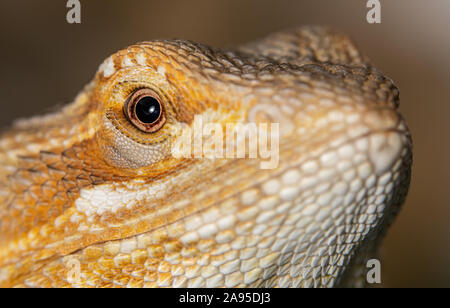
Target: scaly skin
84,186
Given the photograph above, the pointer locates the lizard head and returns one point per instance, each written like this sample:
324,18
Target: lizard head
101,182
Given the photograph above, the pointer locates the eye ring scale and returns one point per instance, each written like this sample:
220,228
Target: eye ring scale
145,111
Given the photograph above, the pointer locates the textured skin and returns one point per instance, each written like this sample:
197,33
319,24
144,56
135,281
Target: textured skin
83,185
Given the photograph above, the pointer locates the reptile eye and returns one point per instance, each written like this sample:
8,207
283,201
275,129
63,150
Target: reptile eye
145,111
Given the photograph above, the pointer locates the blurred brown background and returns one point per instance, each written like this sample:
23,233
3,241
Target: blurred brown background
45,61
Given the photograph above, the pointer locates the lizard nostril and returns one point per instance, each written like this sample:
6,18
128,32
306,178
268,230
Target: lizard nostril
268,113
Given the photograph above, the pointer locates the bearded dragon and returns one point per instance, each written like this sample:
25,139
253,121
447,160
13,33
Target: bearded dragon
92,195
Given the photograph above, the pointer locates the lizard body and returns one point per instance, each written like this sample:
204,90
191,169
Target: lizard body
92,186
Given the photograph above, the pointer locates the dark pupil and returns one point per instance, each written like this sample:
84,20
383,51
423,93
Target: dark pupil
148,109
